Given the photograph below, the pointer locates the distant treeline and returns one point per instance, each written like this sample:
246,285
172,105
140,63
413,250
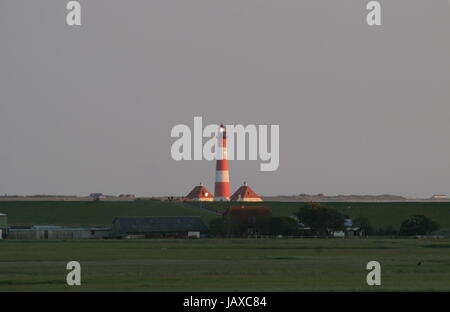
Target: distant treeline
315,219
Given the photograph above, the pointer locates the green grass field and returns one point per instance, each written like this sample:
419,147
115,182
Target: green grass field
226,265
220,264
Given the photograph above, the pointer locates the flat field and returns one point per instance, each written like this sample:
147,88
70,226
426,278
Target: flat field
226,265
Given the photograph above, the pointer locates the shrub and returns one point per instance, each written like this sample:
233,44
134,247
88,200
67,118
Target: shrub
320,218
418,225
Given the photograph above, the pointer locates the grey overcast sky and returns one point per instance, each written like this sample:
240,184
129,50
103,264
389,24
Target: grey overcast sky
362,110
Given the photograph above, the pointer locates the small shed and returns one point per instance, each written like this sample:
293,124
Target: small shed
355,232
158,226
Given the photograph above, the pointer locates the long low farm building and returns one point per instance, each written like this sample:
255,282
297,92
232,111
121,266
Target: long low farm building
140,227
57,233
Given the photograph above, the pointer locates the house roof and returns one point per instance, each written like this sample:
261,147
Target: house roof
243,192
55,228
199,192
160,224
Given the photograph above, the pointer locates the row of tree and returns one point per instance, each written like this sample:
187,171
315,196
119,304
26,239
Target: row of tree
414,225
314,219
226,226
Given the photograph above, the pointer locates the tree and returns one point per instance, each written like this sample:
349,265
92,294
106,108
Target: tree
320,218
418,225
225,227
364,224
281,226
217,227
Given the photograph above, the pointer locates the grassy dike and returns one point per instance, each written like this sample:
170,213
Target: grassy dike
85,213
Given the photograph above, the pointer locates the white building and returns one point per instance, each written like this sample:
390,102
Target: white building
439,196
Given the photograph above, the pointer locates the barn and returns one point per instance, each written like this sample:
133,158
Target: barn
148,227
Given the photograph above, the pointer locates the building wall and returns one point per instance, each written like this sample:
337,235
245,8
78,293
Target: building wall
249,199
115,230
25,234
60,234
160,235
3,222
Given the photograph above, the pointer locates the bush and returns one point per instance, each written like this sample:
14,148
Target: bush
281,226
418,225
321,219
225,227
217,227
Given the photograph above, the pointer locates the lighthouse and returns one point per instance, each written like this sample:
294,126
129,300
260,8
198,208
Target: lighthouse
222,185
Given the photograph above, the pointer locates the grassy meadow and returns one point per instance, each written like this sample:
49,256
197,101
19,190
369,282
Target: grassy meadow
220,264
226,265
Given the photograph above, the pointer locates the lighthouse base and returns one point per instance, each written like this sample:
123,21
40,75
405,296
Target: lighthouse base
221,199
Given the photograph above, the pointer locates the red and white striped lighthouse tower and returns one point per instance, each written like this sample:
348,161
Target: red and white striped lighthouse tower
222,185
